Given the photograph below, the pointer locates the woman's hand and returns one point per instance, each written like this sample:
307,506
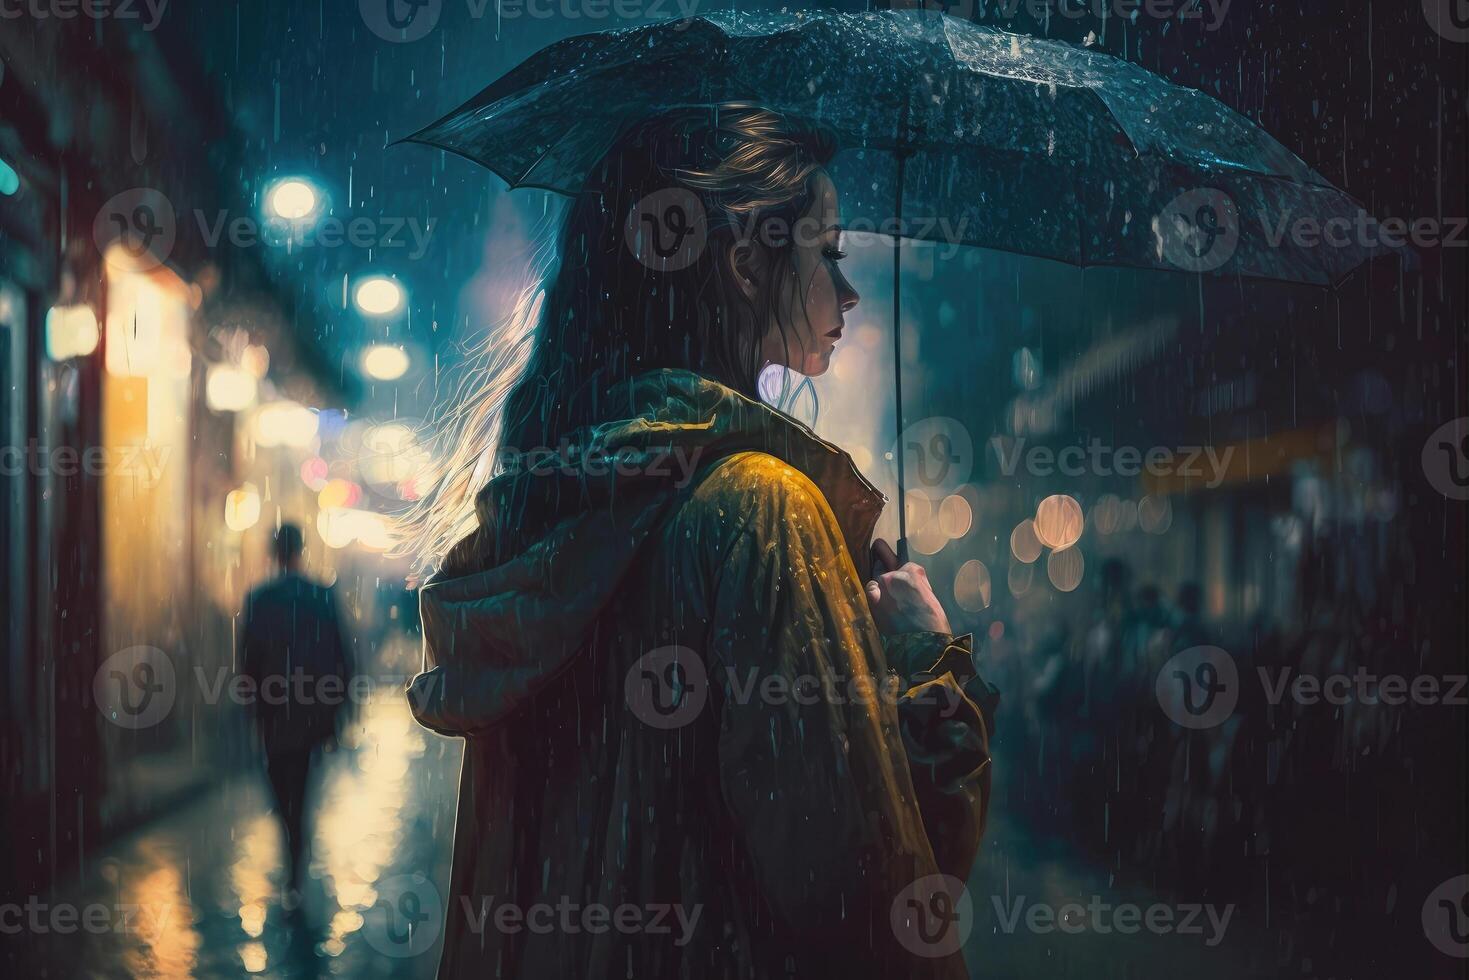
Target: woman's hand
902,601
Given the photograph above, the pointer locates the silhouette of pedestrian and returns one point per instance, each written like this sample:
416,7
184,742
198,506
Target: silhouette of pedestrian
294,651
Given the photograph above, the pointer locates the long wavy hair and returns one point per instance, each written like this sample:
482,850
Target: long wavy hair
605,312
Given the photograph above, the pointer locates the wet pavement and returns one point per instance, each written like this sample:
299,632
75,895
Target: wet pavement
201,892
1042,909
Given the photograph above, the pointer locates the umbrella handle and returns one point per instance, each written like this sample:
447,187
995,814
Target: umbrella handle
902,450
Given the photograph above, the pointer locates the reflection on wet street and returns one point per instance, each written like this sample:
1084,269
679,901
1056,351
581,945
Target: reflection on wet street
201,892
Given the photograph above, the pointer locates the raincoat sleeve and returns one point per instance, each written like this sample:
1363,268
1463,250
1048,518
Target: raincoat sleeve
813,765
946,714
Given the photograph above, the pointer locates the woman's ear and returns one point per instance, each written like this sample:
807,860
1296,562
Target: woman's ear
746,262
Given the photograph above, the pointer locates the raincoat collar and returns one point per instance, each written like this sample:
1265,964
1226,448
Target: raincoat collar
562,527
676,409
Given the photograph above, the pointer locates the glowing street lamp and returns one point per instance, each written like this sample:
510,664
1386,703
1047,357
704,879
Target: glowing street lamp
285,423
383,362
242,508
291,199
71,331
379,296
229,389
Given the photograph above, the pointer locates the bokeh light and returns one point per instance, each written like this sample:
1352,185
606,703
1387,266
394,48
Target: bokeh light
956,517
384,362
337,494
1065,568
1058,522
229,389
284,423
1022,575
1024,544
71,331
1155,514
378,296
1107,513
291,199
242,508
314,473
972,586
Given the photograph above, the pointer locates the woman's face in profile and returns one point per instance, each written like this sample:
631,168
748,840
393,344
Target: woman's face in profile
813,302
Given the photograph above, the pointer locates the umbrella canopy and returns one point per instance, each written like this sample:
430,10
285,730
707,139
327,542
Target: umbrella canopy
1006,142
954,133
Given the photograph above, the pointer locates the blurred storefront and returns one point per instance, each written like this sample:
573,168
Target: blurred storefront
135,369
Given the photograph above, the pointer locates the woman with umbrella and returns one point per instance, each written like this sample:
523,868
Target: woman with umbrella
708,733
688,680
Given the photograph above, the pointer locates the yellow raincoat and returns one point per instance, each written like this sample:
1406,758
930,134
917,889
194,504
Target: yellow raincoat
689,752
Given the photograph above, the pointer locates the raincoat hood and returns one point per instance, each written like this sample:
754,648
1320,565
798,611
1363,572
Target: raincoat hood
562,526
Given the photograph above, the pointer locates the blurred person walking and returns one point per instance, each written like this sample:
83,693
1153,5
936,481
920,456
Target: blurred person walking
294,651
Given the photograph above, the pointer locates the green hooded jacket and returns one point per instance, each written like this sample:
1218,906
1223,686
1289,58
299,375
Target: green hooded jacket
689,752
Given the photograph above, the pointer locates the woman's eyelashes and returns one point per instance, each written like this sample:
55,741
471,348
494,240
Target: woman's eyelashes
835,254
